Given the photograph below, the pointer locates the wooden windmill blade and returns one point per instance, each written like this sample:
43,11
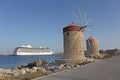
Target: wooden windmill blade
81,16
85,16
75,15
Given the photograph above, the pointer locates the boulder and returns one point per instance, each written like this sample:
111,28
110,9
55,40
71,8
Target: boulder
39,62
61,67
53,68
68,67
4,72
23,71
35,68
17,74
20,67
42,69
14,73
27,70
10,74
30,65
32,71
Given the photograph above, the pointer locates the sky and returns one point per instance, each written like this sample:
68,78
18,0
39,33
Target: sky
40,22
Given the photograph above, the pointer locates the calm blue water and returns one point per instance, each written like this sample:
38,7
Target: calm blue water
13,61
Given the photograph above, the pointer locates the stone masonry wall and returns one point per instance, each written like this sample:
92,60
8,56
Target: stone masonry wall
73,45
92,47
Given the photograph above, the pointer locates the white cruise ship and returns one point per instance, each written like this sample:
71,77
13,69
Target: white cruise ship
28,50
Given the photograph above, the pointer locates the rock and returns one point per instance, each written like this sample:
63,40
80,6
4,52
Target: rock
14,73
1,75
51,64
36,63
52,68
61,67
39,62
17,74
10,74
1,71
20,67
36,68
77,65
98,56
68,67
32,71
30,65
42,69
23,71
56,70
4,72
90,59
27,70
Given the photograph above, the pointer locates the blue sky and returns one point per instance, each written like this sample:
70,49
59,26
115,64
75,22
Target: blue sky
40,22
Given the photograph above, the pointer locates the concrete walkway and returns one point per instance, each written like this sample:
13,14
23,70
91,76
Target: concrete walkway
105,69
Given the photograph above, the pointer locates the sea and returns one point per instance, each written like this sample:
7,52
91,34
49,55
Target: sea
14,61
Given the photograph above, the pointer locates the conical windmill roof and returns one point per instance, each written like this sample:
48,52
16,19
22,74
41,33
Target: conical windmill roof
72,27
92,38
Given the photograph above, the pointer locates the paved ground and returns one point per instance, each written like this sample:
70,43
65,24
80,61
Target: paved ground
106,69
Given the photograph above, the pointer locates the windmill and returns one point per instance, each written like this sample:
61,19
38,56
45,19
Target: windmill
74,37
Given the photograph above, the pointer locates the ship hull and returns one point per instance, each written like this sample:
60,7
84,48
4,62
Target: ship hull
24,53
32,51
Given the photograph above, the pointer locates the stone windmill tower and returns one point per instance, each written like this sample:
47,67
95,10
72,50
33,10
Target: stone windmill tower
92,44
73,42
73,35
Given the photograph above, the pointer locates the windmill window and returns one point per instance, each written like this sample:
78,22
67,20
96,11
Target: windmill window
68,33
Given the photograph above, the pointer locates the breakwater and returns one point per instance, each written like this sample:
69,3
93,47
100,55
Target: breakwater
14,61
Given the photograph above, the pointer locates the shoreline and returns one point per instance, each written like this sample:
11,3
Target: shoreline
98,70
40,65
33,68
